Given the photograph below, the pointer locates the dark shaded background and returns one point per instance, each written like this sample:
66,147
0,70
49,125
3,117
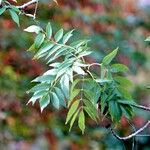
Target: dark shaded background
109,24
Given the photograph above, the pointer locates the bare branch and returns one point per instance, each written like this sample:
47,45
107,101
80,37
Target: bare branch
27,4
141,107
131,135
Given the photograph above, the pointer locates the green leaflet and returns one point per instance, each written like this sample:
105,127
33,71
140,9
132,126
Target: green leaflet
115,111
49,31
39,87
36,96
39,40
55,100
2,10
72,110
107,59
73,119
60,96
14,16
44,79
123,81
119,68
44,101
81,121
58,35
67,36
45,48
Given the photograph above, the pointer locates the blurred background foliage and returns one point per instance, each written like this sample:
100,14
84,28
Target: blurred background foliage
108,24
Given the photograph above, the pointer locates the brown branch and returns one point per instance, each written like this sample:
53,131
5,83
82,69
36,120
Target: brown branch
131,135
27,4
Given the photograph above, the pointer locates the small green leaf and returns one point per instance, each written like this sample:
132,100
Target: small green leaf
81,121
39,40
33,28
44,101
55,100
2,10
58,35
107,59
73,119
45,48
49,31
124,93
39,87
44,78
119,68
114,111
123,81
36,96
72,110
64,82
67,36
14,16
60,96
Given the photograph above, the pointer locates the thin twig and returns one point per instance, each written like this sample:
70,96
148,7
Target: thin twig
27,4
141,107
131,135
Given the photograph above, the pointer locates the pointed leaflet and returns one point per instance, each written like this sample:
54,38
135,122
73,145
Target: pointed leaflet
73,119
36,96
107,59
14,16
64,83
72,110
44,78
39,87
2,10
45,48
44,101
123,81
114,111
81,121
49,31
55,100
39,40
58,35
90,113
67,36
33,28
60,96
119,68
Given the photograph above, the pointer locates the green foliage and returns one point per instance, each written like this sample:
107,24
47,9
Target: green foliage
70,83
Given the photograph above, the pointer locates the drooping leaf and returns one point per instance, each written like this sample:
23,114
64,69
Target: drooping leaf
44,101
115,111
72,110
73,119
36,96
14,16
55,100
60,96
2,10
81,121
107,59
